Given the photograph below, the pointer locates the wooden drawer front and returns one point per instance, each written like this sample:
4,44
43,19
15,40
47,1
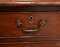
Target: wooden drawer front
8,26
47,32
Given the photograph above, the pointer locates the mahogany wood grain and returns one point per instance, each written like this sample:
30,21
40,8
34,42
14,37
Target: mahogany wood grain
31,45
29,2
49,34
8,26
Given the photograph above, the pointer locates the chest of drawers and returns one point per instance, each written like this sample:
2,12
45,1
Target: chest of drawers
29,23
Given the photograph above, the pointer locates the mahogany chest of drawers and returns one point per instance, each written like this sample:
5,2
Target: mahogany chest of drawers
29,23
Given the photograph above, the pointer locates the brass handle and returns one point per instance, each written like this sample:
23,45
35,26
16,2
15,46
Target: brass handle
30,30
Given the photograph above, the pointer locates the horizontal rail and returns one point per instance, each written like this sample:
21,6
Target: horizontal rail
29,8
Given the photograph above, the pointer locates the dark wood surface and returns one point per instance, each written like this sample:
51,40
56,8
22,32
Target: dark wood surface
31,45
48,35
37,8
9,29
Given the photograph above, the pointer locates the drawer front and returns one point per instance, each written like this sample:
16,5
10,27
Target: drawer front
33,27
45,23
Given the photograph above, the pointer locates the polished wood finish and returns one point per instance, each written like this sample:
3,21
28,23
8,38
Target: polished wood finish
49,34
31,45
29,2
8,23
11,36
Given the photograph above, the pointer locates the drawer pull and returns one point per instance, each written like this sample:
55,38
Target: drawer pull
30,30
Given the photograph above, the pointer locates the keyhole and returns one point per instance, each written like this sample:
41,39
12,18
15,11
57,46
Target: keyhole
31,19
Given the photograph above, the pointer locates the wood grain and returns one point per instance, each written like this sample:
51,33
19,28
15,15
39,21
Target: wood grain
8,26
48,35
29,2
31,45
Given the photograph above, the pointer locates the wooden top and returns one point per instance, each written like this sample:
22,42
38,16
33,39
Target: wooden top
29,2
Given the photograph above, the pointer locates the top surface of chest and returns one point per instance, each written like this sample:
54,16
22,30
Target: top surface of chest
29,2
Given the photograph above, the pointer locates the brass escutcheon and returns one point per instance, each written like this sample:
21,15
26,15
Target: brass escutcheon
30,19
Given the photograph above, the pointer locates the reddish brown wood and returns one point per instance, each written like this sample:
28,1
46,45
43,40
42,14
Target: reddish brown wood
32,45
29,2
49,34
8,25
7,22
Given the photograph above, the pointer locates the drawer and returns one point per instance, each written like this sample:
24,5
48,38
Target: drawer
40,23
29,27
